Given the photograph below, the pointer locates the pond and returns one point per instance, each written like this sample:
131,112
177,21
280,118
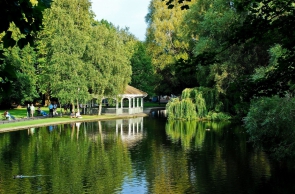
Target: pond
139,155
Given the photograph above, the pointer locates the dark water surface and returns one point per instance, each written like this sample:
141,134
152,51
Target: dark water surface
141,155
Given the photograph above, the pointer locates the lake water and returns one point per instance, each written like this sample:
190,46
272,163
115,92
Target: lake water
140,155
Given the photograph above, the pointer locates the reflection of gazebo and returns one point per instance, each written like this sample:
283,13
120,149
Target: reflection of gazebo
135,102
130,131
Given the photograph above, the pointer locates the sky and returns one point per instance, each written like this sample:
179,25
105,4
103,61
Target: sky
124,13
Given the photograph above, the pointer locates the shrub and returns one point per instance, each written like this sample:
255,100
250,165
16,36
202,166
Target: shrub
270,124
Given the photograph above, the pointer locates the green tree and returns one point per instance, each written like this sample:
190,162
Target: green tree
165,43
142,69
108,56
63,74
23,88
27,16
268,23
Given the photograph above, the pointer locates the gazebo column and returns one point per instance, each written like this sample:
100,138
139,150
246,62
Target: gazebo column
141,104
137,107
117,111
129,109
133,108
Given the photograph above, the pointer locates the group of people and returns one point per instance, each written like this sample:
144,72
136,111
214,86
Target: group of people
30,110
52,109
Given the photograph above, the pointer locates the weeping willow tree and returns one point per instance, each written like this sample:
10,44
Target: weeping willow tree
181,109
197,103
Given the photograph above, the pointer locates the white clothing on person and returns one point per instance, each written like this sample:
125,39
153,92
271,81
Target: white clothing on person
78,115
32,109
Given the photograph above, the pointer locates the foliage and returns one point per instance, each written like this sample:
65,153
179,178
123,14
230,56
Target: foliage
142,69
63,73
217,116
204,102
182,110
270,124
24,87
269,23
108,55
166,47
27,16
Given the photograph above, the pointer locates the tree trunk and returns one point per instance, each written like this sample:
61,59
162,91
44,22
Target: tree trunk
99,109
78,111
46,99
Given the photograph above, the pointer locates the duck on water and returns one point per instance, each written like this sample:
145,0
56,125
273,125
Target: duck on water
24,176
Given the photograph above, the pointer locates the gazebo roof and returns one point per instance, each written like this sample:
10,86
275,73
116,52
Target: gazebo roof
129,90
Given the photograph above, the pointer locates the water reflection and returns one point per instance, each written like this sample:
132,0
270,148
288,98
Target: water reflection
134,133
219,152
140,155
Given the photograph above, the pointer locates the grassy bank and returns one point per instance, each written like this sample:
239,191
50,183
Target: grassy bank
32,123
22,112
22,122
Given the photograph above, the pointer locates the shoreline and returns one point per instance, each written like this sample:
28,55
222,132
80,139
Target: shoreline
70,120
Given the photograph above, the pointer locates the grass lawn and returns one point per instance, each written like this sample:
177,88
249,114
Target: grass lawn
21,113
54,120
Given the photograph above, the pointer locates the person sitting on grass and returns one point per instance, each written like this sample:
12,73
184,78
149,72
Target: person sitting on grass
8,116
41,112
78,115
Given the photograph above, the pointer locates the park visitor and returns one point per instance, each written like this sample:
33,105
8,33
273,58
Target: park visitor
50,110
32,110
28,111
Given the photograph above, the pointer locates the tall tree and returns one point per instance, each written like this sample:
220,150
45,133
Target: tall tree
27,16
165,43
142,69
67,25
108,56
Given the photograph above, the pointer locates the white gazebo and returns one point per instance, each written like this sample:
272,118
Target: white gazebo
135,101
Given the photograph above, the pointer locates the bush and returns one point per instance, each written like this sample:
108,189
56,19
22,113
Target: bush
217,116
270,124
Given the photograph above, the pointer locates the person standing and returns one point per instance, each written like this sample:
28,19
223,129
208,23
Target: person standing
54,108
32,110
50,110
28,111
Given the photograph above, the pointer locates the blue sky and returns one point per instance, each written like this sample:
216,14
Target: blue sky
124,13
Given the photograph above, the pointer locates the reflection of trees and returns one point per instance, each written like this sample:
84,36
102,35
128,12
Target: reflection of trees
185,131
219,153
226,156
77,162
95,159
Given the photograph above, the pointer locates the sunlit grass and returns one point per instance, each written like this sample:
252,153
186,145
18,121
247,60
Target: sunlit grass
22,112
54,120
21,117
